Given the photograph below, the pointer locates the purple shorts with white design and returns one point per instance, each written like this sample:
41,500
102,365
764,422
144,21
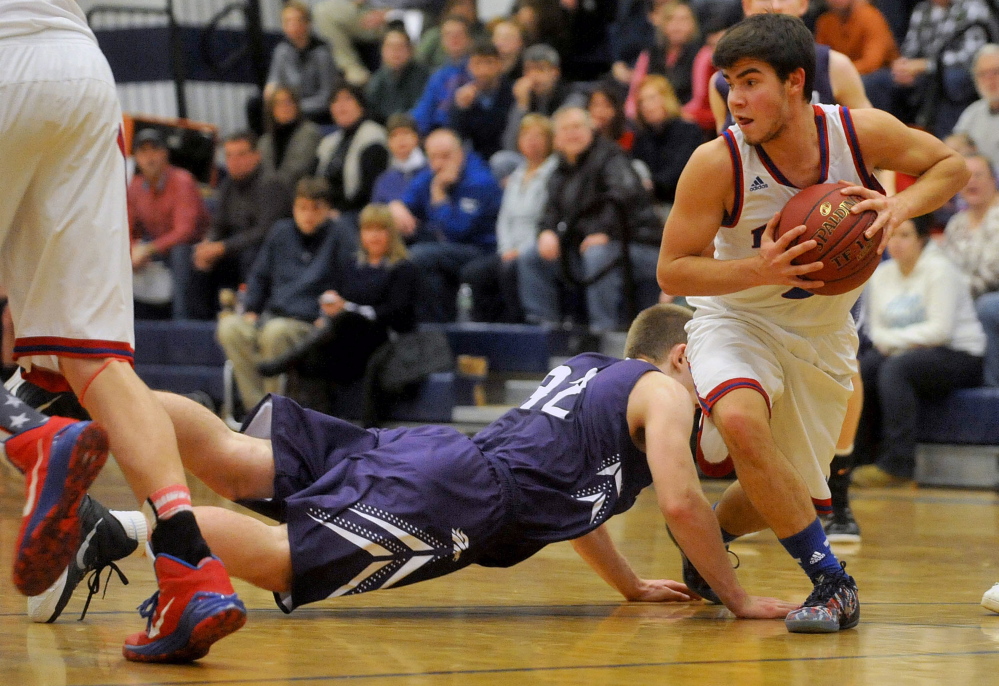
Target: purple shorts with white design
371,509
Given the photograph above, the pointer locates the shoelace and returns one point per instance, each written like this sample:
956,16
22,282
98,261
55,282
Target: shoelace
148,609
94,584
827,587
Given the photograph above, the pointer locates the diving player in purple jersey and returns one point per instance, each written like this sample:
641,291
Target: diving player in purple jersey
362,510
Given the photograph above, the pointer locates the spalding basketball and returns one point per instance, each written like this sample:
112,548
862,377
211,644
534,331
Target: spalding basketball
848,257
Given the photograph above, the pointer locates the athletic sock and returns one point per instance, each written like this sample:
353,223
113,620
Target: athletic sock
810,548
177,532
16,416
839,479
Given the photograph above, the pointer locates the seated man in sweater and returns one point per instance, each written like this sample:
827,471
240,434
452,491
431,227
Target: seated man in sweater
295,265
250,200
453,204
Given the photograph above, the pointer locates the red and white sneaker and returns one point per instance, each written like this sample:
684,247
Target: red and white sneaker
60,459
194,608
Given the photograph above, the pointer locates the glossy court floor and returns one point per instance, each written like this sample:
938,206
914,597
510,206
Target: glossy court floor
926,558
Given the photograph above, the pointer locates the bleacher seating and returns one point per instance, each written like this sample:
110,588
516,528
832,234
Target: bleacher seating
508,347
959,440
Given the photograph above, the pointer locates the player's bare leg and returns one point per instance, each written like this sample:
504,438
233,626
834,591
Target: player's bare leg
780,495
736,514
232,464
256,552
145,446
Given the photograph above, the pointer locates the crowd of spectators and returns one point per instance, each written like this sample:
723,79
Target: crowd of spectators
533,157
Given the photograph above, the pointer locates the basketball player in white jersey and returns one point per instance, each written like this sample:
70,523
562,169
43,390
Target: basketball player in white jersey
65,264
772,362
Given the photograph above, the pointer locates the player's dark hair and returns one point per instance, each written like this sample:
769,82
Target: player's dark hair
244,135
780,40
313,188
655,331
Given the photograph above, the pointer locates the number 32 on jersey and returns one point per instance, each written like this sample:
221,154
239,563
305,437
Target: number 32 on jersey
562,392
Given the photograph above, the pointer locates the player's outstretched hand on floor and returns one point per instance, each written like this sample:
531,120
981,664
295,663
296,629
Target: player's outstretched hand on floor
761,607
661,591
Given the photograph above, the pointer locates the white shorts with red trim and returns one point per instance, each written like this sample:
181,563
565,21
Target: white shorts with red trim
63,221
805,380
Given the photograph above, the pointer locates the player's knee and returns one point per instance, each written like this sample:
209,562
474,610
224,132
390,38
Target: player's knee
744,428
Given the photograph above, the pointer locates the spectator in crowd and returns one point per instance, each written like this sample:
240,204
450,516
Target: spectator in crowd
857,29
406,161
481,107
540,90
347,23
165,210
664,141
678,42
971,241
453,203
980,121
399,81
698,108
508,38
288,149
303,63
371,295
607,116
543,22
493,278
933,42
631,34
434,106
594,199
249,201
837,81
433,50
296,264
354,155
588,55
926,342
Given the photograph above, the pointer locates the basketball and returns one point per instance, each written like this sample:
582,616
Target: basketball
848,257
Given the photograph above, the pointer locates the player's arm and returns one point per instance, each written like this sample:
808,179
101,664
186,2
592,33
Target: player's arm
848,88
662,409
719,108
598,550
705,190
887,143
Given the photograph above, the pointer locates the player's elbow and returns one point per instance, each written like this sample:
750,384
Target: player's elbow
666,275
680,507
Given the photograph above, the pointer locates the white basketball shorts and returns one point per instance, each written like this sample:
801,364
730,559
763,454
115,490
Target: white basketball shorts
63,220
805,379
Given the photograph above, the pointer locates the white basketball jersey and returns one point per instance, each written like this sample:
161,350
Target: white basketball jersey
26,17
761,190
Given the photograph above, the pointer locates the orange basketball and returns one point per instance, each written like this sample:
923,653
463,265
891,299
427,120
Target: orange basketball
848,257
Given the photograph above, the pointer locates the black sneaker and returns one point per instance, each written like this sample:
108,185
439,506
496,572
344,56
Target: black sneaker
841,527
52,404
832,606
695,582
106,536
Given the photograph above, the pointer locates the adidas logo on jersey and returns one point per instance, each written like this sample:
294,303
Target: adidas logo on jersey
816,557
758,184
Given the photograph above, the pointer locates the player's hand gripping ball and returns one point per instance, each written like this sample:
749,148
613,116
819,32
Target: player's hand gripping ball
848,257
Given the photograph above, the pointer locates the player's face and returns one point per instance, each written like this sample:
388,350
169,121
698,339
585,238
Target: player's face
309,214
758,100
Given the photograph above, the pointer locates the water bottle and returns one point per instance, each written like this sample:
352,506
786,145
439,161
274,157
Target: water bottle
464,303
241,299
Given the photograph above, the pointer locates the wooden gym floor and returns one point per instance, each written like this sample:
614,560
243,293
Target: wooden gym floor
926,558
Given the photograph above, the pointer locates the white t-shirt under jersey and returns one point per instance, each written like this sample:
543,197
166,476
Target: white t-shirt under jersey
27,17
